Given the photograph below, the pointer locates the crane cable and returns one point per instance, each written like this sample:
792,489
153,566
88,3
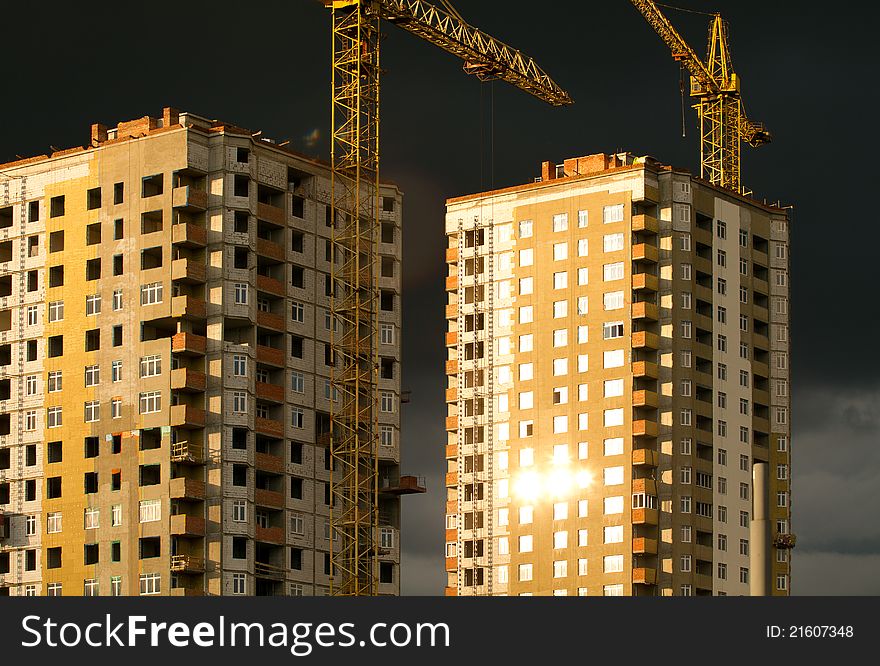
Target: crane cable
490,167
482,148
682,9
492,137
681,81
683,113
452,10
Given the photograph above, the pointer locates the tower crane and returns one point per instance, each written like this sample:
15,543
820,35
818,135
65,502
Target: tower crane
724,125
355,215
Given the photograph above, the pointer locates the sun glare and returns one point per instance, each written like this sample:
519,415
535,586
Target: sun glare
557,483
528,486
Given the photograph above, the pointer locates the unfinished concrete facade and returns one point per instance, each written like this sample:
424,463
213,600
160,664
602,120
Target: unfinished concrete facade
618,386
164,366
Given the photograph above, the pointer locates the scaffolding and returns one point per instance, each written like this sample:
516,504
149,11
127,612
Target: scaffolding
17,461
481,395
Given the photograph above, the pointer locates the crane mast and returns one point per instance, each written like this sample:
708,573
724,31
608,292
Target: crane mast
718,100
355,229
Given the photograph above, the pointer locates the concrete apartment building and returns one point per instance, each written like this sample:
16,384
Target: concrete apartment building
618,386
164,377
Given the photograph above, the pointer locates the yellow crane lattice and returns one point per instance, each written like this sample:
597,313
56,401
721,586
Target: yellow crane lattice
724,125
355,223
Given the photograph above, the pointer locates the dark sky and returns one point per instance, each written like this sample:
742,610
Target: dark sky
808,73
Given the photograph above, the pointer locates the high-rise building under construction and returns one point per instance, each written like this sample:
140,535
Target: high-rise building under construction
165,366
618,386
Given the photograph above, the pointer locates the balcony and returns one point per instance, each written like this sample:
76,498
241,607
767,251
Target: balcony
451,255
268,498
645,399
645,517
187,526
271,321
269,535
271,213
452,367
269,427
186,489
184,379
263,570
188,306
452,395
452,338
452,450
186,592
189,235
785,541
189,271
759,368
703,582
187,416
759,396
645,282
189,343
452,283
644,428
187,564
406,485
189,199
271,250
645,340
643,546
703,552
760,284
644,576
270,356
647,486
451,479
647,253
645,457
452,312
270,392
760,311
645,223
184,451
270,286
645,369
267,462
451,423
644,310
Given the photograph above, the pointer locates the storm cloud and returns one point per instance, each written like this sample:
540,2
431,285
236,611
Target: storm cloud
444,134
